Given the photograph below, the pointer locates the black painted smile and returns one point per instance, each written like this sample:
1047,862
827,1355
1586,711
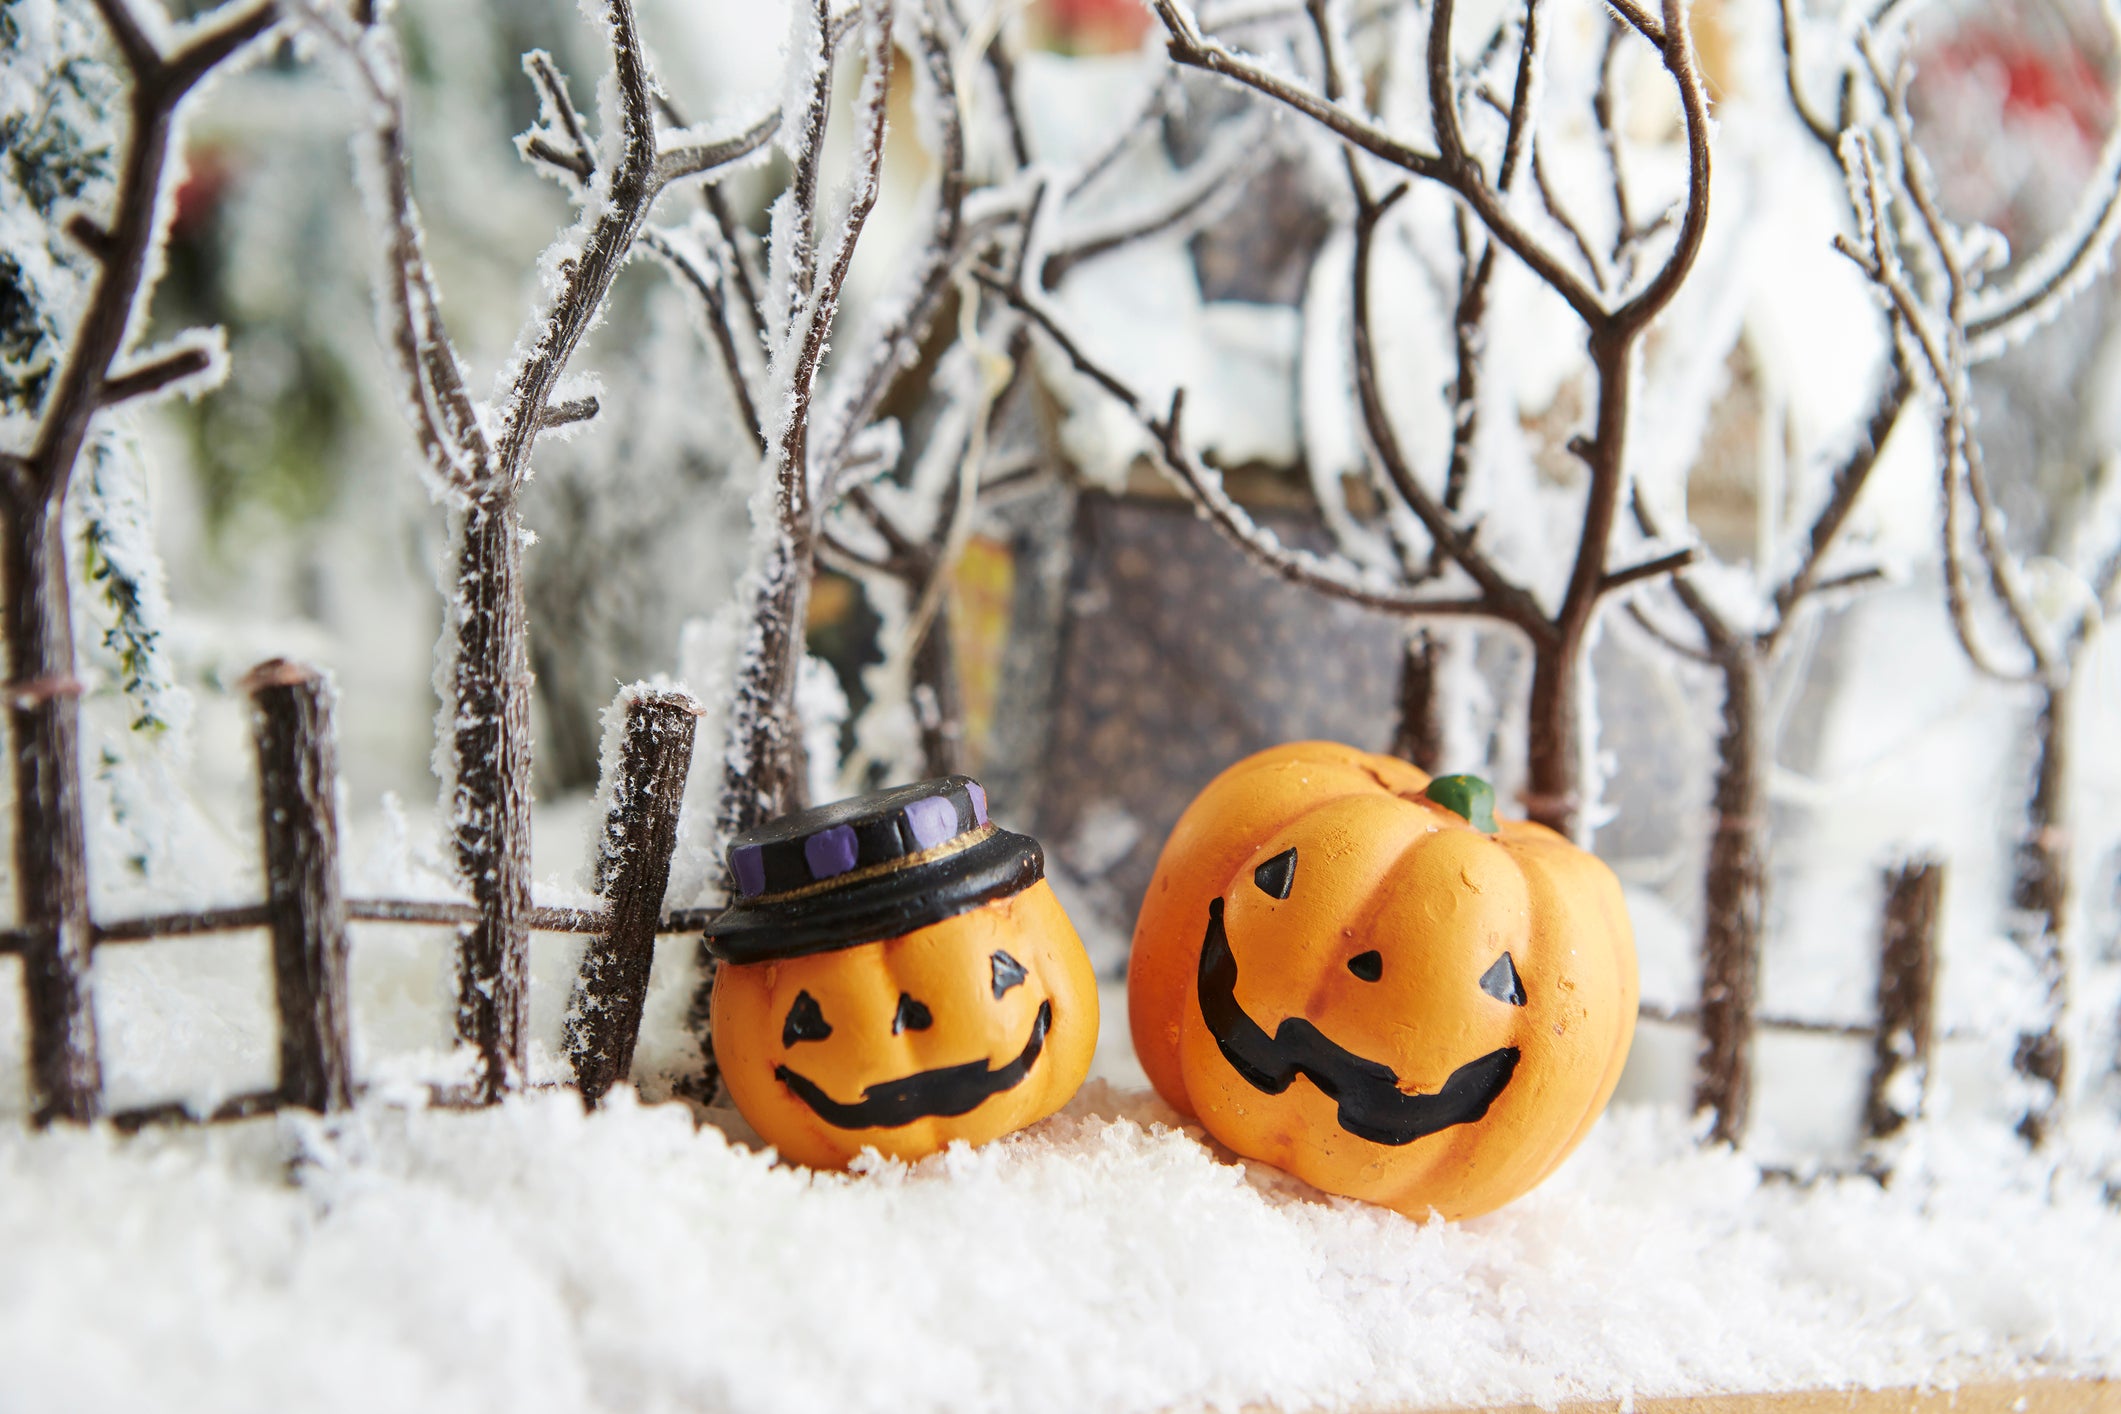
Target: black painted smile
1372,1106
950,1090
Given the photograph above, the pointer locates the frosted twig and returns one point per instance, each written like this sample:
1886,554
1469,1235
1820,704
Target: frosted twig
1644,25
1203,190
808,154
1144,121
1946,367
436,403
1828,134
716,312
904,321
1500,597
569,413
146,379
2054,275
578,156
1550,201
798,507
1849,480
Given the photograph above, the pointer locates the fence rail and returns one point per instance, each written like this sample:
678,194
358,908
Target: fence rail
307,917
239,918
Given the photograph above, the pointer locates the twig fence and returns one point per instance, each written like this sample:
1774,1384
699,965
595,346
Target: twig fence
1904,1034
306,914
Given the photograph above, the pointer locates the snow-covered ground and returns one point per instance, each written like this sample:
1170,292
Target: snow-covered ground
532,1258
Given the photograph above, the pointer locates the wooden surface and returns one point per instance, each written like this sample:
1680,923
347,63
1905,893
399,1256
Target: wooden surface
2036,1396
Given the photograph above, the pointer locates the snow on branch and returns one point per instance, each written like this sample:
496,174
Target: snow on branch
1335,576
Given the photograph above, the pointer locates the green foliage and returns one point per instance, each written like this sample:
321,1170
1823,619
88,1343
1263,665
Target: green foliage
55,151
116,561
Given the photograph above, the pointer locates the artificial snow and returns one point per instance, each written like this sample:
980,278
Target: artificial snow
533,1258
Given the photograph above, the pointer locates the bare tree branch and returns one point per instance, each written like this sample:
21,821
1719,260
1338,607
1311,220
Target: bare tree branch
1650,569
150,378
899,327
1204,487
1641,619
716,317
810,151
568,413
1849,481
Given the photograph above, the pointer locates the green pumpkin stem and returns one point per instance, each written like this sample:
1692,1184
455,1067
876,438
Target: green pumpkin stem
1469,796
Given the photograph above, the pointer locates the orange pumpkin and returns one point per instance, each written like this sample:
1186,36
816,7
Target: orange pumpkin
897,975
1341,974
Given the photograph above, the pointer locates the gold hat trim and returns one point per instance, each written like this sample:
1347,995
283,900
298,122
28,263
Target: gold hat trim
956,844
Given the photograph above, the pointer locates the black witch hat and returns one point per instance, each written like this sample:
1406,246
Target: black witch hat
872,867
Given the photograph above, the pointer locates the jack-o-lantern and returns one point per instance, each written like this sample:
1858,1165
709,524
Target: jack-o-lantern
896,974
1362,977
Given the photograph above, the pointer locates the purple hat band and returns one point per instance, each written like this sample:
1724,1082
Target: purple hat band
866,834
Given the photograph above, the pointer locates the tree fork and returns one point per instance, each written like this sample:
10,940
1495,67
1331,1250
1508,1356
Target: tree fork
490,791
1735,893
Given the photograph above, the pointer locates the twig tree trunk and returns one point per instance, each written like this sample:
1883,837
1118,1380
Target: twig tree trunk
1419,735
43,709
490,789
1735,896
764,771
2040,891
51,863
480,459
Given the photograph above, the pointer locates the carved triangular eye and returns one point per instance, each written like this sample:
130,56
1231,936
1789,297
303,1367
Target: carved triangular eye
911,1016
1278,875
1008,972
1500,982
1369,966
806,1021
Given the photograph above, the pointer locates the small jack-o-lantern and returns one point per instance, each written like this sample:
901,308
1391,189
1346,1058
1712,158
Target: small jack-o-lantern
1359,975
896,974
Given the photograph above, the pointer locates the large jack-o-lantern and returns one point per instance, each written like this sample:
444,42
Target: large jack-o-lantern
1362,977
896,974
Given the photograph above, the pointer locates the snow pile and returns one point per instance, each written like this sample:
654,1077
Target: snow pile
531,1258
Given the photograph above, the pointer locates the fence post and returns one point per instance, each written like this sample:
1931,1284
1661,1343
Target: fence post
298,813
633,869
1907,992
51,859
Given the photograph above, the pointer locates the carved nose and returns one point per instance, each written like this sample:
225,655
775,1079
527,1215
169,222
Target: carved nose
911,1016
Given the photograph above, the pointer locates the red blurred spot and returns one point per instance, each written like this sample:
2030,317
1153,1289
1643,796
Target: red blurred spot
2039,82
207,177
1093,26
